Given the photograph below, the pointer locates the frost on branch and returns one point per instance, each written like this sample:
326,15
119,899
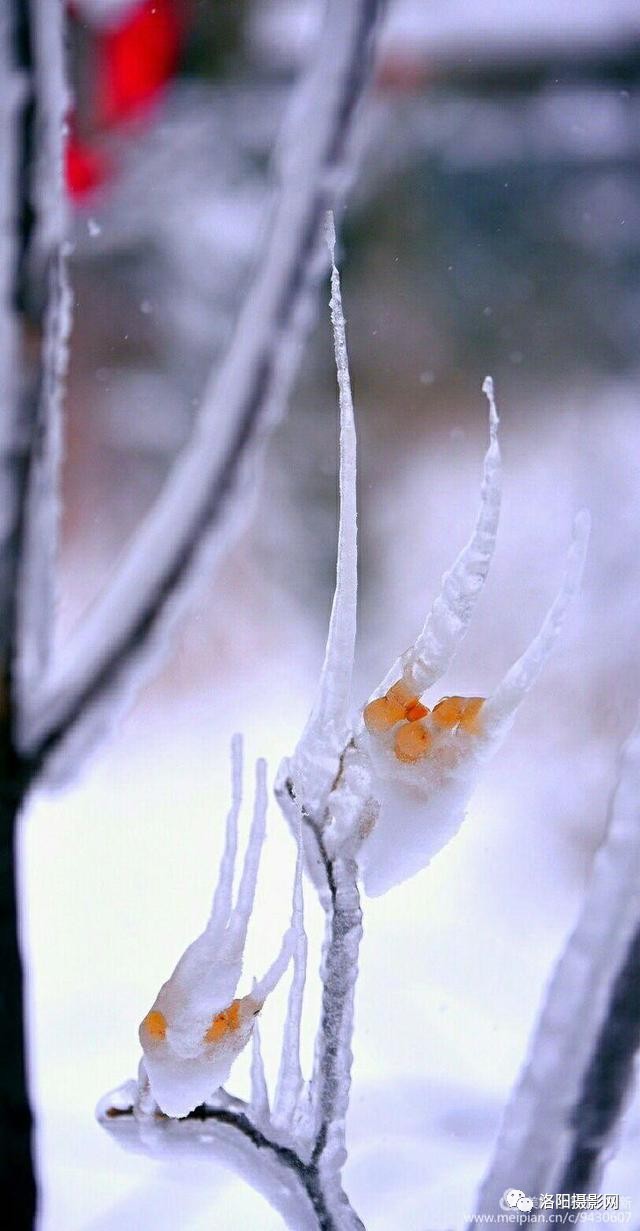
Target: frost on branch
392,788
315,763
557,1127
196,1027
425,762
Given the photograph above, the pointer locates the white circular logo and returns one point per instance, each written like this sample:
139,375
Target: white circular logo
515,1199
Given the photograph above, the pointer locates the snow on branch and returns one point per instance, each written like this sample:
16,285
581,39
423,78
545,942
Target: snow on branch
190,522
12,98
375,803
450,616
195,1027
558,1123
424,759
314,764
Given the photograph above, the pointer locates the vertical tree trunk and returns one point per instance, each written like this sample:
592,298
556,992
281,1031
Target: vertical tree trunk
17,1182
24,297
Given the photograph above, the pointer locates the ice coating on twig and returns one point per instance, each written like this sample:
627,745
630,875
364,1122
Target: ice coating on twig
259,1092
224,888
52,321
195,1028
239,921
314,762
422,802
450,615
312,768
546,1113
290,1080
522,675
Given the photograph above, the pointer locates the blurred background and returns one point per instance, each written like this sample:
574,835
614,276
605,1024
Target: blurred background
494,226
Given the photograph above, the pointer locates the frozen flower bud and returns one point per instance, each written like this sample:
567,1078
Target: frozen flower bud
197,1026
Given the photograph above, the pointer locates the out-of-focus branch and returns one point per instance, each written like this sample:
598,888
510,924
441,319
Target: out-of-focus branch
559,1121
48,306
267,1161
29,197
210,482
608,1080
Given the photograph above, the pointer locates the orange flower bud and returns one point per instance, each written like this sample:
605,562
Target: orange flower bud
412,742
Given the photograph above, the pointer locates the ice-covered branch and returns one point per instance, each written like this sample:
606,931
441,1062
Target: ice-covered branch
333,1058
511,691
29,197
557,1126
450,615
315,761
290,1080
49,307
239,407
291,1184
189,1044
259,1091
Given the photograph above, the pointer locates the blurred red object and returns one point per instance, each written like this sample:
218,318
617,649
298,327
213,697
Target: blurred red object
136,60
85,168
133,62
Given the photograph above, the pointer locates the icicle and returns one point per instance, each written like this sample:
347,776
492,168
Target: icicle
425,764
290,1079
195,1028
314,763
450,615
332,704
259,1093
239,921
522,675
222,898
545,1112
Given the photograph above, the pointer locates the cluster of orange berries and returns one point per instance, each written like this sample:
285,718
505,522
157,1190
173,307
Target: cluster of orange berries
419,726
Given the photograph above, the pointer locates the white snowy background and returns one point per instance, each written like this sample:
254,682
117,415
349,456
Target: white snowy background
118,868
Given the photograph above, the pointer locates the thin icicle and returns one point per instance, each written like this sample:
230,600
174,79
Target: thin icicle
259,1093
314,763
290,1079
273,975
334,694
239,921
196,1026
450,615
542,1120
522,675
221,908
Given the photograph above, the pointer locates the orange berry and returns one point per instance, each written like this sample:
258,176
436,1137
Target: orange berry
412,742
155,1024
398,703
452,712
223,1022
448,711
469,720
380,715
